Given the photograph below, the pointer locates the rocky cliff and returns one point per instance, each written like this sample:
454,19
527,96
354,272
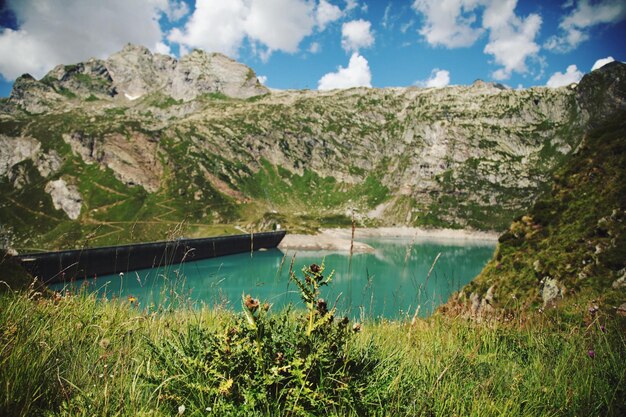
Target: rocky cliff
148,142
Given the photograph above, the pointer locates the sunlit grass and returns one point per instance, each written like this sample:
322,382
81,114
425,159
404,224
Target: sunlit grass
79,355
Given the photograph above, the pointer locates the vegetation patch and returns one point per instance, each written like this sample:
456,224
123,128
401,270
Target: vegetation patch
76,354
574,234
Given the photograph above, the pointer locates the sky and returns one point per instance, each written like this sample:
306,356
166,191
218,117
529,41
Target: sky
327,44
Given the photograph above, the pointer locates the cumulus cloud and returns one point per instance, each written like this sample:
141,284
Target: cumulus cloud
438,78
221,26
351,4
449,23
326,13
574,27
356,74
559,79
262,79
602,62
356,34
176,10
213,26
511,38
67,31
162,48
279,24
453,24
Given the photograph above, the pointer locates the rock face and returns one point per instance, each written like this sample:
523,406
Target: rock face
49,163
16,150
135,72
550,292
199,73
133,159
33,96
65,197
603,93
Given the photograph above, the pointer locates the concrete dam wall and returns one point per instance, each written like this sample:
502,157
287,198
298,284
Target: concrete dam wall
53,267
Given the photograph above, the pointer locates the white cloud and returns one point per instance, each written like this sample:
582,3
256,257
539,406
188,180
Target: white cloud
67,31
448,23
438,78
406,26
176,10
602,62
326,13
351,4
453,24
280,24
356,34
511,38
559,79
162,48
315,47
575,26
221,26
262,79
356,74
385,21
216,26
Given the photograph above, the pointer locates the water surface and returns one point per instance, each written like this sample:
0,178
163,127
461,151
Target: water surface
390,283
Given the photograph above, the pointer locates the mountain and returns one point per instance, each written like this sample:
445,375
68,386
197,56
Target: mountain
573,239
141,146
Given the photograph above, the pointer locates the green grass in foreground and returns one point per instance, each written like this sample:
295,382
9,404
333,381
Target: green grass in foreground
81,356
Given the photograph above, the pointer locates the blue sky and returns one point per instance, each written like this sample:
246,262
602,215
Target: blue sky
329,43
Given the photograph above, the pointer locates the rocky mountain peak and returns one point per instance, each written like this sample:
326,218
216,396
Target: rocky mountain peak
135,72
602,93
488,85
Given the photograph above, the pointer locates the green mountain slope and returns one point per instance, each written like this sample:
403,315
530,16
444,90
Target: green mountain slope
573,239
90,157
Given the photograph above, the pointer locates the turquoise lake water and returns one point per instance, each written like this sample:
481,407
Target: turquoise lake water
389,283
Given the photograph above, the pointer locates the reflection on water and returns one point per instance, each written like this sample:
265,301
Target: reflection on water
388,283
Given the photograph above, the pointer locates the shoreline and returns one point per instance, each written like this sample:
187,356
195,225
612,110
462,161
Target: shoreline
338,240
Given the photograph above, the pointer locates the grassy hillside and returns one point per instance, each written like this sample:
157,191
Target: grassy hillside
77,355
573,240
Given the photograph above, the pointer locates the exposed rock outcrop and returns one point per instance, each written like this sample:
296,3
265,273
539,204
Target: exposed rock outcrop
33,96
14,150
65,197
135,72
201,73
49,163
133,159
602,93
550,292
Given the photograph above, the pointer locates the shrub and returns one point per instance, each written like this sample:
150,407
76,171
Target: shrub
265,363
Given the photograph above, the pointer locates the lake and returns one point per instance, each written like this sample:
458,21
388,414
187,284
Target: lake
391,282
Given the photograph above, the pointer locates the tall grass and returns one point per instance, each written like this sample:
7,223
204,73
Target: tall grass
80,355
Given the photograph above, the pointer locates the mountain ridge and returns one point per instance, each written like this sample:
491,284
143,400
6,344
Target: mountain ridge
462,156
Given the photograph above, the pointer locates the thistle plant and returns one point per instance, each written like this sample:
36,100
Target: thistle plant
317,308
285,363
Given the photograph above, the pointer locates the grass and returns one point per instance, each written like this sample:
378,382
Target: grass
81,355
575,233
